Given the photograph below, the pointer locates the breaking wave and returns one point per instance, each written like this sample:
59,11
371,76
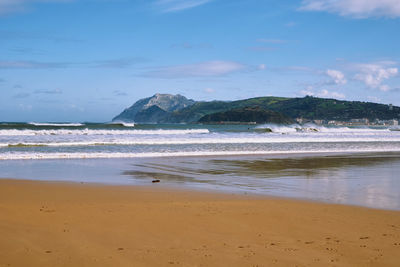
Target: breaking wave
29,132
219,139
56,124
126,124
35,156
312,128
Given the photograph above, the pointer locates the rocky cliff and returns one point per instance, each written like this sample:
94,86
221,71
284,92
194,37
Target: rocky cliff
154,109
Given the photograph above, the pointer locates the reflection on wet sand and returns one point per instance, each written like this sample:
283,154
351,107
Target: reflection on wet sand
309,166
302,166
163,176
368,179
361,179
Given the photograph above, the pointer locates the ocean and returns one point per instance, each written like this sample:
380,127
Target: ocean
350,165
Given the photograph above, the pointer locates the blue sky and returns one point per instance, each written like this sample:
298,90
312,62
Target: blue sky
87,60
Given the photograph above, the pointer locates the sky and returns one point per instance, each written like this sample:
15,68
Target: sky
87,60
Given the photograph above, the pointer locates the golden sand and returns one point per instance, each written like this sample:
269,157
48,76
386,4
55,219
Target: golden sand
55,224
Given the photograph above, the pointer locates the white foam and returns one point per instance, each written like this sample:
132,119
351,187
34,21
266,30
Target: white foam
55,124
279,128
207,140
13,132
126,124
38,156
317,128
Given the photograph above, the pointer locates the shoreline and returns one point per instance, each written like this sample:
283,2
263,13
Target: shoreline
70,224
232,154
329,178
170,188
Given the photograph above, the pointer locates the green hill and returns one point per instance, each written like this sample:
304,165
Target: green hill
247,115
200,109
311,108
331,109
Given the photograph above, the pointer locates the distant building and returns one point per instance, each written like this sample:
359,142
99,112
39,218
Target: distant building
363,121
302,120
392,122
319,122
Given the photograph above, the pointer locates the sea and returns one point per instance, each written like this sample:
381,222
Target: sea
345,165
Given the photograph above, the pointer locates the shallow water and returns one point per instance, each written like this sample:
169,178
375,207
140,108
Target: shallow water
78,140
366,179
335,164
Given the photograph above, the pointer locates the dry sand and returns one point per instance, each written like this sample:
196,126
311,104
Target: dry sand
54,224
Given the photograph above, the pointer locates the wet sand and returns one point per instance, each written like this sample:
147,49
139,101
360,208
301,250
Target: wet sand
60,224
363,179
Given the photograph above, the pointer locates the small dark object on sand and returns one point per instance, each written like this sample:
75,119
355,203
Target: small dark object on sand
155,181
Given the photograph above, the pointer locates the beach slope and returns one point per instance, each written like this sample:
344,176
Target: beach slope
56,224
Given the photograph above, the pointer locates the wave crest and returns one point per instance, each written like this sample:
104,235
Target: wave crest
28,132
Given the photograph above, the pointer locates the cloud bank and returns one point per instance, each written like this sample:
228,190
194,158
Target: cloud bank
323,94
203,69
337,76
12,6
355,8
118,63
373,75
167,6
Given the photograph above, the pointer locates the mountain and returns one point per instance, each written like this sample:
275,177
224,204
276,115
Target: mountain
152,109
311,108
246,115
193,113
150,115
178,109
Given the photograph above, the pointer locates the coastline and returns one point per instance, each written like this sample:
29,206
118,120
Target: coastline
361,179
57,223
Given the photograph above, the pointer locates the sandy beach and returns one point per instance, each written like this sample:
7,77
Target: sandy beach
59,224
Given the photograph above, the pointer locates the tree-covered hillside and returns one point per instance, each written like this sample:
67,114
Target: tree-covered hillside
312,108
200,109
247,114
331,109
307,107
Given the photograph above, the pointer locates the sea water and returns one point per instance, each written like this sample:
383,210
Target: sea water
351,165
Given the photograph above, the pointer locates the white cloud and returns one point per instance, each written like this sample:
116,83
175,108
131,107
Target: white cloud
374,99
291,24
23,64
261,48
203,69
168,6
262,67
209,90
323,93
307,92
337,76
11,6
24,107
355,8
374,74
272,41
30,64
291,69
326,93
49,92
